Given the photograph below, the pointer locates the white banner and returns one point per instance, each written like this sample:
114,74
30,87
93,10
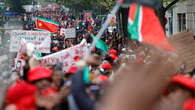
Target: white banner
66,57
42,40
68,33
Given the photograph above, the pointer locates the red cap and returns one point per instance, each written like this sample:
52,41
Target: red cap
185,81
114,57
106,66
38,73
22,95
189,105
72,69
112,51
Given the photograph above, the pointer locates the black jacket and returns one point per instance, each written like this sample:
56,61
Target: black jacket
79,93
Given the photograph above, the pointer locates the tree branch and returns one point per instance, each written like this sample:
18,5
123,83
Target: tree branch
170,5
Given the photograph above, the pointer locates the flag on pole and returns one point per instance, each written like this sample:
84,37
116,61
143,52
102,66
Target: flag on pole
86,74
144,26
101,44
45,24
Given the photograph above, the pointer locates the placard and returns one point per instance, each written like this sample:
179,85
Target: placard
67,56
68,33
41,40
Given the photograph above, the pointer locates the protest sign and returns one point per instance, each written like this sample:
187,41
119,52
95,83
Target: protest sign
113,19
68,33
35,37
183,44
66,57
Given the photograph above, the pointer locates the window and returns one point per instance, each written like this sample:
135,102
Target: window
181,22
170,25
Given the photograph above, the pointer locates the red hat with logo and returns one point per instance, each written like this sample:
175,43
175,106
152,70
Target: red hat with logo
106,66
184,81
189,105
22,95
38,73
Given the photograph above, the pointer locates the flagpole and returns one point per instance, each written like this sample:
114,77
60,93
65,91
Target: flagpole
105,25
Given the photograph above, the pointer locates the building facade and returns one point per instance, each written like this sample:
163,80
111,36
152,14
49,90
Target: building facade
181,17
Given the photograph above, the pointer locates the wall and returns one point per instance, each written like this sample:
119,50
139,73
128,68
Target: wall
188,8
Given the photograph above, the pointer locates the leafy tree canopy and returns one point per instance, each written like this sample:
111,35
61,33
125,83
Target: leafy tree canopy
16,5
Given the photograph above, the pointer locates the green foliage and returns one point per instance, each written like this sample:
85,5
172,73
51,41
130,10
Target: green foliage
16,5
108,4
81,4
166,2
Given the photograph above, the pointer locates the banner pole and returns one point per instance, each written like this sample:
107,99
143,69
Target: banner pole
105,25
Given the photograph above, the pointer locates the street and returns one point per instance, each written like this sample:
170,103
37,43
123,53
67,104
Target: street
6,57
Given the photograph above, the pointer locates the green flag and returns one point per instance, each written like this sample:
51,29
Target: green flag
86,74
101,44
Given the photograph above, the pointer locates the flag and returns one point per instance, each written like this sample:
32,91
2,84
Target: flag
101,44
86,74
144,26
45,24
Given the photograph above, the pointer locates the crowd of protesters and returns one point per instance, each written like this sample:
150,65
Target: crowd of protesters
48,88
131,76
85,26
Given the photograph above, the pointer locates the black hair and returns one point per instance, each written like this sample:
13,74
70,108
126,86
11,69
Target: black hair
192,72
109,59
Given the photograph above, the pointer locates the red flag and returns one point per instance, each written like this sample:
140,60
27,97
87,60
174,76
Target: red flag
144,26
45,24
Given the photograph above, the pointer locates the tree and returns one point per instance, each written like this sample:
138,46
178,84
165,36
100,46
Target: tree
170,3
16,5
108,4
164,8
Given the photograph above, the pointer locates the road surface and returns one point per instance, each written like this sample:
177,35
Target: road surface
6,58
